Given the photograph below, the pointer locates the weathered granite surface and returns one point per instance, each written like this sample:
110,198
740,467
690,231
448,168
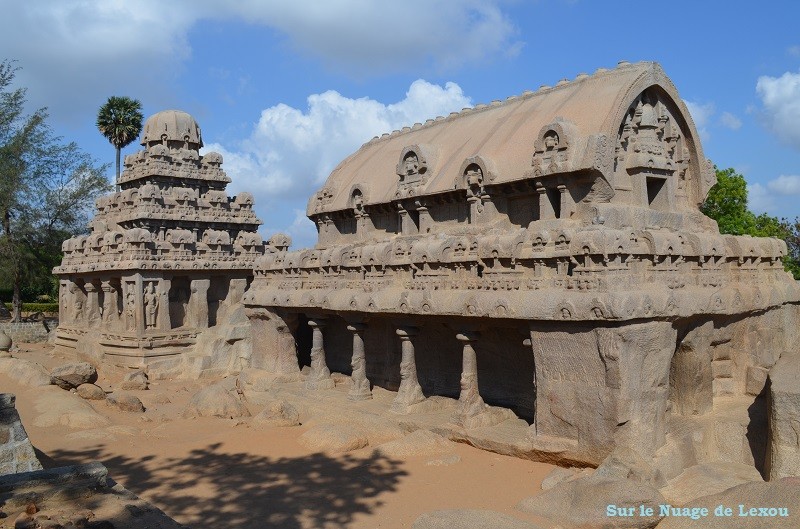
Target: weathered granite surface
543,257
168,257
16,450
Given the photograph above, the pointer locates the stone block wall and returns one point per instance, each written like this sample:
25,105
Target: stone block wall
30,332
16,451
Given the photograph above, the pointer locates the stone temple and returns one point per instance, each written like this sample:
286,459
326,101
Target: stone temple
543,260
169,254
533,276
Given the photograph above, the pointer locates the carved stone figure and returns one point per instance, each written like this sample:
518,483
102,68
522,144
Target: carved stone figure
77,304
411,164
130,308
150,306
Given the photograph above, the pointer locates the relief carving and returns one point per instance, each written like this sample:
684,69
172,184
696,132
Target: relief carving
150,306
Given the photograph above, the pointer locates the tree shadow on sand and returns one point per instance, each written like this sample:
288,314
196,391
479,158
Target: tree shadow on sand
245,490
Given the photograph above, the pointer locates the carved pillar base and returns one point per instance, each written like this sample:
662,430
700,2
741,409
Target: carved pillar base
410,392
359,384
472,411
320,375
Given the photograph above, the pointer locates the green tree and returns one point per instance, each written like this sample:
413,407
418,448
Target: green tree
120,121
727,204
46,190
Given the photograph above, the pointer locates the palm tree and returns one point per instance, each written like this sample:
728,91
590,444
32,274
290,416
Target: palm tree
120,121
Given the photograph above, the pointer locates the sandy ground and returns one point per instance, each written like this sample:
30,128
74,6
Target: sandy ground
221,473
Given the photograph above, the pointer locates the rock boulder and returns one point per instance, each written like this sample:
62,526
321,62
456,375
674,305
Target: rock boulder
136,381
72,375
216,401
277,413
585,503
91,392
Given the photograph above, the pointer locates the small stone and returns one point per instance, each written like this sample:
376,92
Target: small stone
334,438
25,521
91,392
215,401
127,403
278,413
420,443
5,341
136,381
161,399
72,375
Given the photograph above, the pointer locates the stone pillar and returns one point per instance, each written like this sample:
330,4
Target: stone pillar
405,222
92,303
546,210
473,202
110,314
235,291
163,322
198,303
359,388
470,403
364,226
410,391
565,201
320,375
528,342
425,220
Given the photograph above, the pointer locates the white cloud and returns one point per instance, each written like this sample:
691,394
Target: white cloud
759,199
290,152
729,120
780,97
785,185
74,53
701,115
385,35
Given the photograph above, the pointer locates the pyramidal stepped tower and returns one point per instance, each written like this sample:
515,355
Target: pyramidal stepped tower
169,254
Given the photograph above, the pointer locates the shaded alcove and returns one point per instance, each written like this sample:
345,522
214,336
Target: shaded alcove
303,339
179,292
217,292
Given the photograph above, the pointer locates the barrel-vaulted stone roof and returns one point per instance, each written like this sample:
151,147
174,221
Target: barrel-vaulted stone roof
588,112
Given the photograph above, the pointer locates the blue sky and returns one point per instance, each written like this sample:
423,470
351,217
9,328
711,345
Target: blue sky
285,90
